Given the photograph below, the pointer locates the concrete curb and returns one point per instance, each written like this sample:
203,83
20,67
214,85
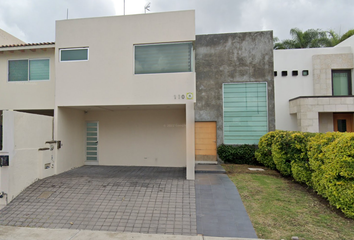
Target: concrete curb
19,233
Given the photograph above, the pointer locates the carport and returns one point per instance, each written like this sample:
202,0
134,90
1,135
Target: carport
126,135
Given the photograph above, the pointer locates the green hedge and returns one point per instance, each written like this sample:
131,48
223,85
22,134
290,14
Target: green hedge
338,174
264,152
324,162
241,154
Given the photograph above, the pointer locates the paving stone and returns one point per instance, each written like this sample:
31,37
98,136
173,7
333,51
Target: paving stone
107,198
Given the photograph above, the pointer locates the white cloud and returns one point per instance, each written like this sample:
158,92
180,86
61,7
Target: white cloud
34,20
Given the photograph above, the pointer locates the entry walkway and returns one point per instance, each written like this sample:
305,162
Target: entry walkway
220,211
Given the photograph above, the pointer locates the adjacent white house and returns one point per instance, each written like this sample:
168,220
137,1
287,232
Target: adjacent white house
314,88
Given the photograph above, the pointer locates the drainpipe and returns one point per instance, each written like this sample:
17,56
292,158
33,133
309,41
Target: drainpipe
2,194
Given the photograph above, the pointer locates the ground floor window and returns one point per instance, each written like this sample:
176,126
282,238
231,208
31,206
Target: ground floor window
341,82
245,112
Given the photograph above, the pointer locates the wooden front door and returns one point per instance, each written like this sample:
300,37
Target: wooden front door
343,122
205,141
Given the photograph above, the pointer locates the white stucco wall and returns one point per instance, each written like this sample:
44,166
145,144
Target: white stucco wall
30,94
108,78
23,135
69,126
141,137
290,86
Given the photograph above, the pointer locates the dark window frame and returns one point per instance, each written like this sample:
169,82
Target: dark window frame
349,80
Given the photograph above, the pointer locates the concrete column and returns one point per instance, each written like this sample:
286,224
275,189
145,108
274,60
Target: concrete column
190,141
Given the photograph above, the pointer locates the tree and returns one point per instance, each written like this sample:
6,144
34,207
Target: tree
311,38
347,35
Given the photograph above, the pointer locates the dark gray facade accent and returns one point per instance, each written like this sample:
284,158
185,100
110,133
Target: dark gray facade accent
231,58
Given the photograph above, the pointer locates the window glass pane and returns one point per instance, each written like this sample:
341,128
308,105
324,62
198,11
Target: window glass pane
342,125
93,124
91,134
245,112
91,158
18,70
340,84
163,58
73,54
39,69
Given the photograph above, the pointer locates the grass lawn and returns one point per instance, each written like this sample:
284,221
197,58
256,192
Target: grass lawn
280,208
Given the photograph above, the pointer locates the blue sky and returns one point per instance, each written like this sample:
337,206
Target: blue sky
34,20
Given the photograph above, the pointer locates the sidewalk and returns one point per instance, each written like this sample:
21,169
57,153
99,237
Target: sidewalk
20,233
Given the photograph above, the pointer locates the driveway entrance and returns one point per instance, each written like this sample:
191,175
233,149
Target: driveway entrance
111,198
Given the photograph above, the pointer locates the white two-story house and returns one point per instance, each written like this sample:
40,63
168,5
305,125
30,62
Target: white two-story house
314,88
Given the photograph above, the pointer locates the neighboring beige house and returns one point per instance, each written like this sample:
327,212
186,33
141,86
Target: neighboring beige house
314,88
8,39
112,105
122,90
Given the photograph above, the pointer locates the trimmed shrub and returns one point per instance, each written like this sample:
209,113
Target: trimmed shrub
300,166
322,161
281,154
316,148
264,152
241,154
338,174
290,155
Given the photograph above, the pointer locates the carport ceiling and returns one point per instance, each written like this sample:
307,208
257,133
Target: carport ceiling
129,107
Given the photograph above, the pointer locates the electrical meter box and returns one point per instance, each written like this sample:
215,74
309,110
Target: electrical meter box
4,160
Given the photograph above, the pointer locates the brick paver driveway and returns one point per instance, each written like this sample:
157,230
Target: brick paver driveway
128,199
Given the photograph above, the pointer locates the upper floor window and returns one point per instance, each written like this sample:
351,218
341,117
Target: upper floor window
74,54
163,58
341,82
28,70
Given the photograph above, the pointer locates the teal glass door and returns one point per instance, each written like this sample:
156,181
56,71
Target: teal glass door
91,141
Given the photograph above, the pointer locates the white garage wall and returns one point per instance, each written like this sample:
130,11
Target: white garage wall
69,129
141,137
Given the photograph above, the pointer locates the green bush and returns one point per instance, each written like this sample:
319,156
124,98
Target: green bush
317,157
338,174
300,166
264,152
322,161
281,152
241,154
290,155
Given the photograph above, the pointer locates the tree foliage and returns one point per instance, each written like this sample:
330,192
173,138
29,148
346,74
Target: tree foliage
311,38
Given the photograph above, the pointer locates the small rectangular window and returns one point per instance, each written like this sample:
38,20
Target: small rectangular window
28,70
284,73
305,72
295,73
163,58
74,54
275,73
